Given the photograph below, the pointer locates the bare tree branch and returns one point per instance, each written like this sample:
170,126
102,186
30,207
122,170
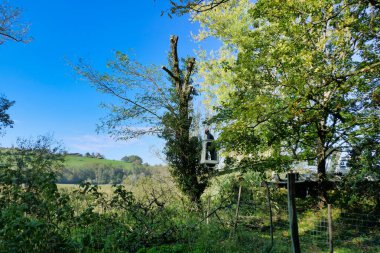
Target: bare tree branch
9,36
197,6
94,78
169,72
175,63
10,25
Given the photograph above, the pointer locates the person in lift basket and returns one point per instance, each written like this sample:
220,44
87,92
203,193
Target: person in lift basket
210,146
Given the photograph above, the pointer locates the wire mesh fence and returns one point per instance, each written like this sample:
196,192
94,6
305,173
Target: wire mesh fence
346,231
357,231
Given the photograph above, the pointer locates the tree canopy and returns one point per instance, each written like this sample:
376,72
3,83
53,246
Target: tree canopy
293,80
132,159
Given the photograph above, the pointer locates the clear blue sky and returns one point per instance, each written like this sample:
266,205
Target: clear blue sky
51,98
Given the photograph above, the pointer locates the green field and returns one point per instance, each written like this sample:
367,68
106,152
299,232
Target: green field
76,162
78,168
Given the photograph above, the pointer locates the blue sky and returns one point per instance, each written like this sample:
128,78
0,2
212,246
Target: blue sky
51,98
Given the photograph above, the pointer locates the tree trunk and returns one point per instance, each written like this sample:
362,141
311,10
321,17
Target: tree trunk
322,180
321,166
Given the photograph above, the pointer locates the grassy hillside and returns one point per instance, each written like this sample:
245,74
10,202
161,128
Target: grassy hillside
78,162
77,169
100,171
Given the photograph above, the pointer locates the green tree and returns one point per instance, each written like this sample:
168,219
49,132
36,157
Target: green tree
150,105
361,185
5,120
32,209
301,77
181,149
132,159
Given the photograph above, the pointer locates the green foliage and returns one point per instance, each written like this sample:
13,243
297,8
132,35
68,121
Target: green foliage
359,190
127,224
176,248
31,206
5,120
365,154
132,159
293,80
36,217
183,150
183,156
142,96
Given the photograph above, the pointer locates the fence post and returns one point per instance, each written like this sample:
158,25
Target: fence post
270,213
293,213
208,209
330,230
237,209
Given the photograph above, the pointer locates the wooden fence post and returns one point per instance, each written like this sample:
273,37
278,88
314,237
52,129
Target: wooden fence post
270,213
208,209
330,229
293,213
237,209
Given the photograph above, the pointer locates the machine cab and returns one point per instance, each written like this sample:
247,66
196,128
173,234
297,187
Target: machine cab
209,154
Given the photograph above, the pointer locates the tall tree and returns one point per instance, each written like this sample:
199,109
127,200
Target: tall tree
182,150
149,105
303,77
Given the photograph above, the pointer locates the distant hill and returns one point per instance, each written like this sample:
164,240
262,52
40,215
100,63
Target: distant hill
79,168
78,162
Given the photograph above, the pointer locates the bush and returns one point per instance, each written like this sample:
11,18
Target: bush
31,206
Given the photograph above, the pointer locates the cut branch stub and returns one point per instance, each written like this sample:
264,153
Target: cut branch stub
175,68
